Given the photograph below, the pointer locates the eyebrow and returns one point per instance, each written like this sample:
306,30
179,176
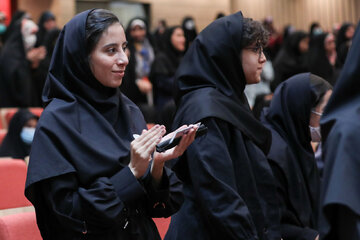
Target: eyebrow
115,44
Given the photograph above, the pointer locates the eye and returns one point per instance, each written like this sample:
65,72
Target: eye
111,50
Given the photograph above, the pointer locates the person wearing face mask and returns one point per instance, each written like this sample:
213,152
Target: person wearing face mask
2,28
343,41
228,185
294,121
18,60
17,142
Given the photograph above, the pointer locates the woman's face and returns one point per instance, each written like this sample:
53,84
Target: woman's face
329,43
108,60
31,123
304,45
350,32
252,60
178,39
138,33
315,117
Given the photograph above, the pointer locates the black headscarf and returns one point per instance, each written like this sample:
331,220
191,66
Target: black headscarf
340,130
190,33
211,81
18,15
16,84
341,36
318,61
168,59
85,127
40,35
13,145
289,116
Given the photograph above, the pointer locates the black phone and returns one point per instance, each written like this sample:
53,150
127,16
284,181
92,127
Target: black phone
170,143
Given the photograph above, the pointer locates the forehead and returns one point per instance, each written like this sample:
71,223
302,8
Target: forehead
114,34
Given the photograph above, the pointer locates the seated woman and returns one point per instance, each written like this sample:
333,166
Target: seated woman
88,178
17,142
294,119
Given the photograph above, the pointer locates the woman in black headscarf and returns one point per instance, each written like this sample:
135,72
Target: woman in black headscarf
87,176
165,65
291,58
46,23
17,142
343,41
190,32
228,186
17,60
293,118
340,130
322,57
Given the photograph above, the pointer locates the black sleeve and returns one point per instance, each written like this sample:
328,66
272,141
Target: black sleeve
289,230
214,182
167,198
98,207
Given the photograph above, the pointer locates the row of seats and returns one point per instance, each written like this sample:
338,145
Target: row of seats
17,215
7,113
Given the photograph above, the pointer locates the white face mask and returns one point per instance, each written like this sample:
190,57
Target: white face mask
27,135
28,31
29,41
315,134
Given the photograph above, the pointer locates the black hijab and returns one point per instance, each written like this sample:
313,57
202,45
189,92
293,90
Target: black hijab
190,32
289,116
211,81
40,35
341,36
13,145
85,127
168,59
18,15
340,132
318,61
16,84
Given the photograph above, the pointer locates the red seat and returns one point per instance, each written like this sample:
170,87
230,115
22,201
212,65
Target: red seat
21,226
162,225
3,133
8,114
36,110
12,183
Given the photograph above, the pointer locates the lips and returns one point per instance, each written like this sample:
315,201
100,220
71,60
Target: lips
119,73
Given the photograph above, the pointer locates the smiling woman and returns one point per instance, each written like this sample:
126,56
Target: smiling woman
87,176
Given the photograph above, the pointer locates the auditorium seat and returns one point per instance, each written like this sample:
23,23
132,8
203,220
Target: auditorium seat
20,226
12,183
2,135
162,225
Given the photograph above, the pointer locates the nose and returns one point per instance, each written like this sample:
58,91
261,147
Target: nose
262,58
122,59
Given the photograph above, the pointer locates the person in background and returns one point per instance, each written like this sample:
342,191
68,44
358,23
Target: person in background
228,185
340,131
275,39
18,15
137,85
165,65
18,140
189,27
322,57
288,30
93,172
18,60
47,22
294,119
291,59
315,29
159,33
343,41
2,28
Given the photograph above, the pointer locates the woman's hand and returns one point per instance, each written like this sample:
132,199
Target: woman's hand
142,148
177,151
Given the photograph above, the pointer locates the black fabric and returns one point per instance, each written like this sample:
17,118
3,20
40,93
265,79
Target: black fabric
163,70
18,15
129,87
40,35
12,144
318,62
340,201
190,34
16,79
291,156
78,178
289,61
225,195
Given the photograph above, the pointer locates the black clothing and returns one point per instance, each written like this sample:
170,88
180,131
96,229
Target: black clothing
289,61
190,32
292,158
16,75
16,18
163,70
78,177
318,62
342,44
228,183
13,145
340,196
41,34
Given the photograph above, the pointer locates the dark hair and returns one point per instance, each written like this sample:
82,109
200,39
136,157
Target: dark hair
318,87
254,32
97,22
